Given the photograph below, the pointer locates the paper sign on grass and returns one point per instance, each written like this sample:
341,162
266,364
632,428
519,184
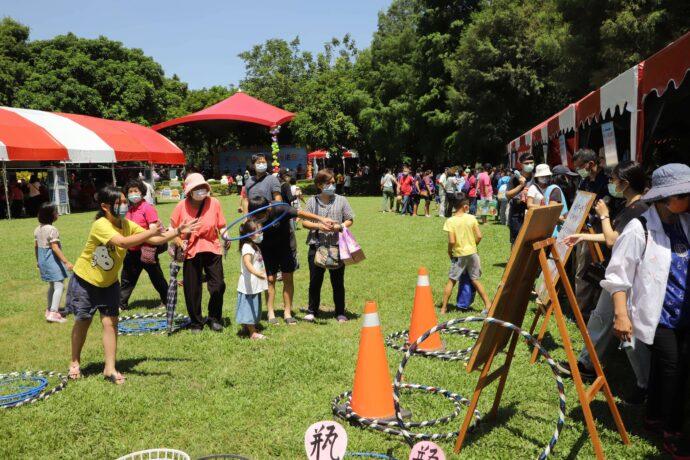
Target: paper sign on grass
427,450
325,440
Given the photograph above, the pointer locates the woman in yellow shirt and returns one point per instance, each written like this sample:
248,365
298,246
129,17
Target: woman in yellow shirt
94,284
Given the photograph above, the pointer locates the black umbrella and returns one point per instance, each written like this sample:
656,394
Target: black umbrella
172,290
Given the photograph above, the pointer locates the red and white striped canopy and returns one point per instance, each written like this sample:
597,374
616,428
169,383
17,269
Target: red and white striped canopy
34,135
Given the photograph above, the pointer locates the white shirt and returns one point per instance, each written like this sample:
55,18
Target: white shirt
149,193
249,283
642,271
387,181
348,180
239,179
534,192
442,184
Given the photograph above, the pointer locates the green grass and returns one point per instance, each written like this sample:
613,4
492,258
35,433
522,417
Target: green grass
218,393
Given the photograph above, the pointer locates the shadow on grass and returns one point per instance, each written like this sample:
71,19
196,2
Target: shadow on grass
149,304
501,264
127,366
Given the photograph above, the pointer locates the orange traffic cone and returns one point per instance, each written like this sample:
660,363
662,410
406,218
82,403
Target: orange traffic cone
423,315
372,394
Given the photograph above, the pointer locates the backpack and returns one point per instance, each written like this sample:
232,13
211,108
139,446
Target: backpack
465,186
547,196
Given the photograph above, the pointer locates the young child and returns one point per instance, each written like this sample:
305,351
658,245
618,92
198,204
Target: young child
52,263
252,282
463,237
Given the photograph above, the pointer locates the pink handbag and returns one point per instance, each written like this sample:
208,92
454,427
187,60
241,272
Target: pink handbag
350,252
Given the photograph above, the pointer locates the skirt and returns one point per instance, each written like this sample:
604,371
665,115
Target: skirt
248,308
50,267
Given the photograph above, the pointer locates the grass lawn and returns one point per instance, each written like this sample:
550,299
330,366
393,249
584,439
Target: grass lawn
219,393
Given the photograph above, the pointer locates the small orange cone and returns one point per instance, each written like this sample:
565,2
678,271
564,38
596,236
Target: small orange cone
423,315
372,394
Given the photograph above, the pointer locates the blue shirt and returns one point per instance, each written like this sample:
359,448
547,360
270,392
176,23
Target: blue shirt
504,180
675,314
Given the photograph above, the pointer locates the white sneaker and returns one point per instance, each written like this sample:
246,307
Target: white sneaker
55,317
308,317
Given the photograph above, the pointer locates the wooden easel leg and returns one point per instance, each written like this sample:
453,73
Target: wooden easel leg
474,401
601,381
542,331
504,376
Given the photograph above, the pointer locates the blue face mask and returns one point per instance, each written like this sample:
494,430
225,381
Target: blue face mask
329,189
122,210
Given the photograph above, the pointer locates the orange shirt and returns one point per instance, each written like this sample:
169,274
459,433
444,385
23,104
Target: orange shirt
206,238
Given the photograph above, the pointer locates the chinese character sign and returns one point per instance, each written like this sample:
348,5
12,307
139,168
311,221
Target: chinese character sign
427,450
326,440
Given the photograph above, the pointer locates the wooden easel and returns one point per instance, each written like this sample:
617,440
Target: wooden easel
547,310
585,395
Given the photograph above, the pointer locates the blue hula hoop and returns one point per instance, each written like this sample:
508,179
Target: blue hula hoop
256,211
33,387
369,455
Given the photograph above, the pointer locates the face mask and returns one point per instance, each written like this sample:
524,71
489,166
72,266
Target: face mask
583,173
678,205
134,198
614,192
199,194
405,174
329,189
528,168
542,180
261,167
258,238
122,210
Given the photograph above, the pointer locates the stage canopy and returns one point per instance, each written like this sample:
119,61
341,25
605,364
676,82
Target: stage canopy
34,135
238,107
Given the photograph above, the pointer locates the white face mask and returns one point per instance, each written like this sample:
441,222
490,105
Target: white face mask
329,189
258,238
261,167
614,192
542,180
528,168
200,194
134,198
583,173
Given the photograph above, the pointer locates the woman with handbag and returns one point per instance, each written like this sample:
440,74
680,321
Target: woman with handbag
202,252
144,257
323,244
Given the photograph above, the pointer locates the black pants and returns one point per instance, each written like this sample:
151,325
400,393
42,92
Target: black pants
131,269
668,377
514,225
450,204
192,271
316,281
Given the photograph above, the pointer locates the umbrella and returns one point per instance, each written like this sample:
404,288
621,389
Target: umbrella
171,303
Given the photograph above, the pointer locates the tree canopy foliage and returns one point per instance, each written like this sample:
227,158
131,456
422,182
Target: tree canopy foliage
442,80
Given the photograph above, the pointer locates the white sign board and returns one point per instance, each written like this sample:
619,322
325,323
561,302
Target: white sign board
577,216
610,152
564,150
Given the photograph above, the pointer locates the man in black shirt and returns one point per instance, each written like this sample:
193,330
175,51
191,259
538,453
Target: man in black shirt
594,180
517,195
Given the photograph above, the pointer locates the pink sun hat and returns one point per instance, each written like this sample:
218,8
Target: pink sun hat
194,180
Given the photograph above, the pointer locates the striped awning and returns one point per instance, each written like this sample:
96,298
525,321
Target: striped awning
34,135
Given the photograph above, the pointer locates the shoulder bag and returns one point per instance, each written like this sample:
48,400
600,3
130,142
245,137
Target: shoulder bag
179,253
149,252
327,255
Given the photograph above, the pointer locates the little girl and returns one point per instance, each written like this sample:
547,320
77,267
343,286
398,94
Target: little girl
52,263
252,281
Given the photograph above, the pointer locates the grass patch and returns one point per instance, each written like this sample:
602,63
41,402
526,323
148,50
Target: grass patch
218,393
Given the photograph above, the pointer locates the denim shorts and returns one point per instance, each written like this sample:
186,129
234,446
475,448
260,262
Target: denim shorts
83,299
469,264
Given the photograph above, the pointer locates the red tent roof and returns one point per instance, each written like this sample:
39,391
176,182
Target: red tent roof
238,107
318,154
671,64
34,135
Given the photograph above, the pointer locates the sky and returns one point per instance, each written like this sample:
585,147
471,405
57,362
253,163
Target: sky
199,40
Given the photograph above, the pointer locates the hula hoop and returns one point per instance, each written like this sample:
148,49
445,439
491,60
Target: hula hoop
256,211
150,323
153,454
222,457
411,437
391,427
32,394
368,455
27,386
447,355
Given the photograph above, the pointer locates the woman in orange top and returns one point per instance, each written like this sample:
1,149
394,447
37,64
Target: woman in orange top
203,255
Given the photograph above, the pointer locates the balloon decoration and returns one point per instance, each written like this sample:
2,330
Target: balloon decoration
275,148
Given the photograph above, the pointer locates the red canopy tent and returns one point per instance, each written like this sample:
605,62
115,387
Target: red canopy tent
238,107
318,155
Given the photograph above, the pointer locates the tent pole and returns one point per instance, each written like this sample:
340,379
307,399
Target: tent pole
112,170
153,179
7,192
64,174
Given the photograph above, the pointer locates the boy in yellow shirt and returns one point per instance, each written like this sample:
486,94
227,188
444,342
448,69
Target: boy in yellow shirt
463,237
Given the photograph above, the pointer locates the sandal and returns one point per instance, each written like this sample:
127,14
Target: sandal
291,321
273,321
74,372
117,378
257,336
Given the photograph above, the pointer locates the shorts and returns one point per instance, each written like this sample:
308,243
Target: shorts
83,299
462,264
279,258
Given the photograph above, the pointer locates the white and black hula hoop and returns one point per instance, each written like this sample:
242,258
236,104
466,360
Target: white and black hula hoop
392,341
150,323
392,426
411,437
225,236
35,393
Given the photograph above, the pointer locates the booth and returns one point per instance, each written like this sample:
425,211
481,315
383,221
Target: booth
37,140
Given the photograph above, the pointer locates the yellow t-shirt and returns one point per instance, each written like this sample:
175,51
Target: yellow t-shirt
99,263
463,228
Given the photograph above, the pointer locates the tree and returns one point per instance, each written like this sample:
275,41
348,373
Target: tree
14,56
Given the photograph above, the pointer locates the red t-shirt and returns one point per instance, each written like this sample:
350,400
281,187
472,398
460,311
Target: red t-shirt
405,184
473,187
206,238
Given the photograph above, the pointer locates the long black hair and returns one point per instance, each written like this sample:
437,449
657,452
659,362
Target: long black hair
107,195
632,173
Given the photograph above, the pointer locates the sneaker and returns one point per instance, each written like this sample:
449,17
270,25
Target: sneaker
309,317
47,313
215,326
636,397
342,318
588,375
55,317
